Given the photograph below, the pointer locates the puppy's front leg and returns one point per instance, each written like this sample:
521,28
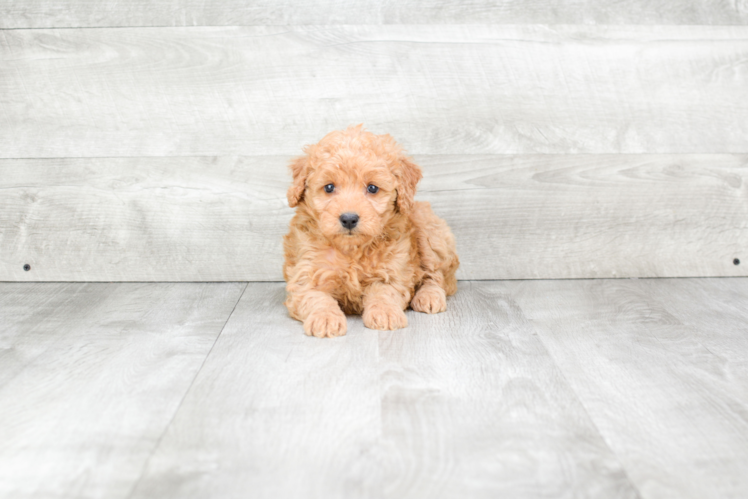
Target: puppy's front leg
384,307
319,311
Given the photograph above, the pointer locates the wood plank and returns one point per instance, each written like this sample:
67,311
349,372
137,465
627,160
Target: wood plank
673,410
74,14
30,311
514,217
438,89
274,413
589,216
718,308
474,407
144,219
465,403
91,375
483,400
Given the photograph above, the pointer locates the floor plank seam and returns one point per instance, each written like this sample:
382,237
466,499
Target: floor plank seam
181,401
633,485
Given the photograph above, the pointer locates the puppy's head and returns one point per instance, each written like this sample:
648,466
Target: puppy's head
353,182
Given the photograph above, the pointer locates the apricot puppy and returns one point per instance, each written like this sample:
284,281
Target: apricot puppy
359,243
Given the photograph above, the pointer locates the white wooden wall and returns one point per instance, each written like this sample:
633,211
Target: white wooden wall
593,139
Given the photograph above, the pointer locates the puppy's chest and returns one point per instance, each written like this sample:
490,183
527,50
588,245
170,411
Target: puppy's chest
357,267
346,275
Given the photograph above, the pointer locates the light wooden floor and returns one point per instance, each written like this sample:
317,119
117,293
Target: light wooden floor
597,388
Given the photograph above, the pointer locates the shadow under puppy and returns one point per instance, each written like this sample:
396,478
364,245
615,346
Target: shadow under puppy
359,243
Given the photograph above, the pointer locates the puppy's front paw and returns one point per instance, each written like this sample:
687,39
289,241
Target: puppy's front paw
430,300
384,317
325,323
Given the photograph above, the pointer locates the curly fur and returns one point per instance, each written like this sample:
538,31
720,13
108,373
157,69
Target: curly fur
399,253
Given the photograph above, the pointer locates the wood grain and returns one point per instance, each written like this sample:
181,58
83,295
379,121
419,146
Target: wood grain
78,13
585,216
716,307
564,388
515,217
275,413
465,403
144,219
91,375
474,407
672,408
438,89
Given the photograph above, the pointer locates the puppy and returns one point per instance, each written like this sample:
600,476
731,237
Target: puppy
359,243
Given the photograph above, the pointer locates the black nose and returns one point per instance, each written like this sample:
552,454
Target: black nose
349,220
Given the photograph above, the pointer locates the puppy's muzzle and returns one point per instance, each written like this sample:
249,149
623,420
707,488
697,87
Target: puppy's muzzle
349,220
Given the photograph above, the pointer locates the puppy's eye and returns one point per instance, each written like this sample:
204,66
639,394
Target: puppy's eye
329,188
372,189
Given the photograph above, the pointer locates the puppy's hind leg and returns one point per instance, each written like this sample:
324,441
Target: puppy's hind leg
430,298
439,261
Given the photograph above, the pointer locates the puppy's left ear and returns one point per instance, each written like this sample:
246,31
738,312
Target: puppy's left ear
299,169
408,174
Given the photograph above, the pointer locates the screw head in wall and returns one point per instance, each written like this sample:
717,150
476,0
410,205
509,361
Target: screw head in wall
26,267
736,261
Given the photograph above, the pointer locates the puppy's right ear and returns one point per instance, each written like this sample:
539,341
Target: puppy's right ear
299,170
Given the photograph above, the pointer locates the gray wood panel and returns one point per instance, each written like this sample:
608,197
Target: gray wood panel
515,217
275,413
438,89
474,407
604,388
694,303
144,219
668,395
91,375
466,403
80,13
